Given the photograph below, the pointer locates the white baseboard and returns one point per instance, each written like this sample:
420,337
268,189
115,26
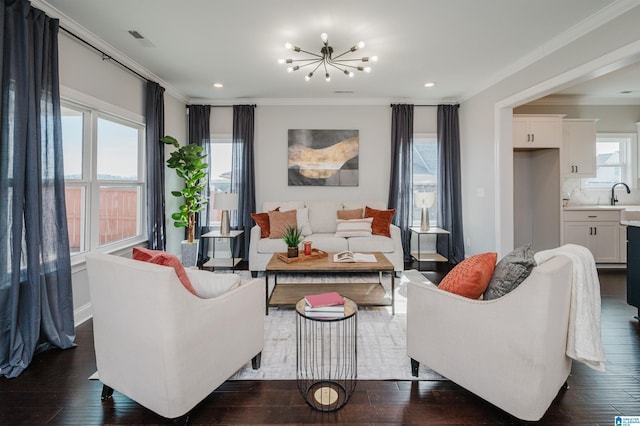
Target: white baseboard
82,314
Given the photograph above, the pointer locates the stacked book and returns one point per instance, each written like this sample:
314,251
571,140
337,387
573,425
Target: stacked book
325,305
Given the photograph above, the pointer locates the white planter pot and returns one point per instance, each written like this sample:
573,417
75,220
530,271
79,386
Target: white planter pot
189,253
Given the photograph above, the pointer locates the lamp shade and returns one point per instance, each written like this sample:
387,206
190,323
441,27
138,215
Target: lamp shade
424,199
225,201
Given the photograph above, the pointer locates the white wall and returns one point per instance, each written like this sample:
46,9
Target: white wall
273,122
86,78
487,157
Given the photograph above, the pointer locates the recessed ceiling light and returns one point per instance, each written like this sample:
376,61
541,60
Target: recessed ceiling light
429,84
218,85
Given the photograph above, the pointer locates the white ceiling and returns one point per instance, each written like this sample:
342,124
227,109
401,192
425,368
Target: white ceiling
462,45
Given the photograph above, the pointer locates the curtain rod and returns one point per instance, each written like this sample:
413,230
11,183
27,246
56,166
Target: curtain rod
105,56
222,106
415,105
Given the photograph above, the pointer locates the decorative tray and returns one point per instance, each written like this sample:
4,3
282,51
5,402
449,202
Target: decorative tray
315,254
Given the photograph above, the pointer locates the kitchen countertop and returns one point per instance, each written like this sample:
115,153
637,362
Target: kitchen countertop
635,223
598,207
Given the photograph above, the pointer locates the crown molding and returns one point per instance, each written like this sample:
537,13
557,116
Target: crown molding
572,34
319,101
80,31
584,100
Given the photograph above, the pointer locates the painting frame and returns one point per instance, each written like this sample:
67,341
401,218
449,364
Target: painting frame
323,157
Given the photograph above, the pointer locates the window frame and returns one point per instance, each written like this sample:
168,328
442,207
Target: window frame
213,139
433,211
91,185
628,157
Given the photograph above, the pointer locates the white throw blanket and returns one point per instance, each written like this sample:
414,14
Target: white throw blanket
584,340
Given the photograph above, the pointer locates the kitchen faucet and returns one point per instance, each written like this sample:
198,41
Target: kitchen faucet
614,200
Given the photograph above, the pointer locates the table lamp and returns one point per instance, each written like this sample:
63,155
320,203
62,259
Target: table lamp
225,201
424,200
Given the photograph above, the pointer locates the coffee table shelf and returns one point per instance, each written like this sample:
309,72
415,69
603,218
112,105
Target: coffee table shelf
370,294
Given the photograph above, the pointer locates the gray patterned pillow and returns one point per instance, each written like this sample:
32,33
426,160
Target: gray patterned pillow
510,272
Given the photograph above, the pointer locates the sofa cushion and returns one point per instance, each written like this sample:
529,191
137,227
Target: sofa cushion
350,214
354,227
328,242
279,221
208,285
470,277
165,259
381,220
271,245
372,243
512,269
262,220
323,215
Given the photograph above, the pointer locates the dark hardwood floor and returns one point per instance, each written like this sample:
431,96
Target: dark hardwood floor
55,390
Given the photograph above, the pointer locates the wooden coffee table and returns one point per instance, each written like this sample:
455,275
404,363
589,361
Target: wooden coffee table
364,294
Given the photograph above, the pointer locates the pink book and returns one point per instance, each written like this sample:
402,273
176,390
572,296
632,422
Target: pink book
324,299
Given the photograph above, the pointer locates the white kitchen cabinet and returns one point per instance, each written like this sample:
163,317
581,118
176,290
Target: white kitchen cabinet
597,230
579,148
537,131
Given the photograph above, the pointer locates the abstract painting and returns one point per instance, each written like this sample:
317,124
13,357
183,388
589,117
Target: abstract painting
323,157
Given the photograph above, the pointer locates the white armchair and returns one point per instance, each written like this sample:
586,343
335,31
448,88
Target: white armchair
162,346
509,351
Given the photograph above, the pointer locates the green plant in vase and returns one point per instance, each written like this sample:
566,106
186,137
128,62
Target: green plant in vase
188,163
292,237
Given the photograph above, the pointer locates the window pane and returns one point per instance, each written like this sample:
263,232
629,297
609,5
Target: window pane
118,213
220,177
72,143
75,198
117,151
425,173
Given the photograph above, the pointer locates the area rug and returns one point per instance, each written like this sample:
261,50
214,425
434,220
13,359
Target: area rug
381,340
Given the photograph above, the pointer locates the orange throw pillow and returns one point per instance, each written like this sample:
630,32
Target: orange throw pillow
166,259
350,214
278,222
262,220
381,220
470,277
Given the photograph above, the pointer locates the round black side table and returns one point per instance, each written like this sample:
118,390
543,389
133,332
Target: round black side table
326,356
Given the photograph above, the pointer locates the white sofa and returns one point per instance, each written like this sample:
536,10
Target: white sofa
323,221
510,351
162,346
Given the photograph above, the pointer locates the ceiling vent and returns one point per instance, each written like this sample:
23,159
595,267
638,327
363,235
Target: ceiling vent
343,92
143,41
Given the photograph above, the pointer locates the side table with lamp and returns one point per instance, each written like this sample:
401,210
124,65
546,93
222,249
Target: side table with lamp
424,201
224,201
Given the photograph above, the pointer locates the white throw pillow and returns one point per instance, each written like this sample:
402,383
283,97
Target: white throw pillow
354,227
302,219
209,285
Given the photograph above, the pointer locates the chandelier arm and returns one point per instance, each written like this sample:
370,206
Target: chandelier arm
311,53
344,65
342,54
318,61
350,60
336,67
317,66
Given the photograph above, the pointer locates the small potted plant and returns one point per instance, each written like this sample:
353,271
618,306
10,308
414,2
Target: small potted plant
292,237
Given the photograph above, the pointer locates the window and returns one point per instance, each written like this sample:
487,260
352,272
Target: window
614,161
220,162
104,178
425,172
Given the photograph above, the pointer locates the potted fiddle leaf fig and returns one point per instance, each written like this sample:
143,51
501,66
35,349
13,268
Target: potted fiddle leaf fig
292,237
188,163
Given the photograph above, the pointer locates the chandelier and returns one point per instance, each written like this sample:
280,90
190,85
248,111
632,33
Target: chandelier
327,61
